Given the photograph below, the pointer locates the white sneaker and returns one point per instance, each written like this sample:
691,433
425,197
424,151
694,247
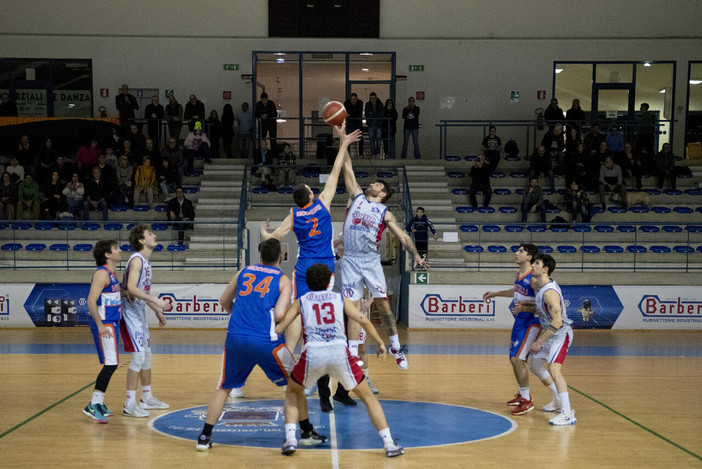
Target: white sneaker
553,406
153,403
236,392
400,357
312,390
132,409
564,418
392,451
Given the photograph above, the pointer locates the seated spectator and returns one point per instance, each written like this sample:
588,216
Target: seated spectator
46,157
125,181
576,165
197,144
53,202
492,148
533,200
111,157
540,164
74,192
593,138
175,158
180,211
95,195
151,150
7,107
603,153
28,198
64,168
125,148
87,157
138,140
264,160
630,164
286,166
26,155
480,176
16,170
577,203
572,141
665,166
611,180
145,181
555,147
8,197
110,176
166,177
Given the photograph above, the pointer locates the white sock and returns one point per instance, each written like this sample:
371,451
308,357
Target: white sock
395,341
565,402
554,391
387,438
290,429
524,392
353,347
131,396
145,392
98,397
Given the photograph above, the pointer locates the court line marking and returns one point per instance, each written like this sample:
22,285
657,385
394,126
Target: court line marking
332,436
637,424
21,424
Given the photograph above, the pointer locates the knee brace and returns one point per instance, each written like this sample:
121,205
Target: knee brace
147,359
538,367
138,359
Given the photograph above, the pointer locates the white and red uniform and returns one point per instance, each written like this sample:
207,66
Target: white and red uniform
135,330
554,350
324,334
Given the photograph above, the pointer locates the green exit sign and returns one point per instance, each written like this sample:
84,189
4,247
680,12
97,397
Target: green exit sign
231,67
421,278
416,68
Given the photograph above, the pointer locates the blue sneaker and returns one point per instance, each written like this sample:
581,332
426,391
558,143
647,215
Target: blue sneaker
93,411
105,411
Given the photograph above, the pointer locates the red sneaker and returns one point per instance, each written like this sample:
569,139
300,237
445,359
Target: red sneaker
523,407
517,399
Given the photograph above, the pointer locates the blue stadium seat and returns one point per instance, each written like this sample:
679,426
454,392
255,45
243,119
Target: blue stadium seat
160,208
486,210
547,191
66,225
649,229
672,229
360,174
473,248
84,247
683,210
566,249
119,208
626,228
514,248
595,209
514,228
59,247
672,192
502,191
285,190
3,225
469,228
652,191
141,208
660,249
11,247
464,209
684,176
126,247
470,157
177,247
21,225
35,247
159,247
545,249
113,226
456,174
511,158
639,209
159,226
660,209
519,191
581,228
636,248
87,226
590,249
190,189
460,191
315,190
453,158
508,210
698,209
559,229
616,209
495,248
491,228
385,174
553,210
131,225
497,175
340,190
260,190
699,248
694,228
603,228
518,174
683,249
43,225
613,249
537,228
693,191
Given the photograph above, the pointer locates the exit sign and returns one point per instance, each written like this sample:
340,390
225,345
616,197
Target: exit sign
231,67
416,68
421,278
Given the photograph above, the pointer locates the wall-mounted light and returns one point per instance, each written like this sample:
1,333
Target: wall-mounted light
647,64
365,54
365,69
695,82
558,70
662,91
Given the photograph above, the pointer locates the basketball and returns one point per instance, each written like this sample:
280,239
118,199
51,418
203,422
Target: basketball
334,113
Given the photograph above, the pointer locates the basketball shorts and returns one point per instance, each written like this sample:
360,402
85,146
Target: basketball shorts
106,348
300,278
333,360
555,349
135,330
524,333
357,271
242,353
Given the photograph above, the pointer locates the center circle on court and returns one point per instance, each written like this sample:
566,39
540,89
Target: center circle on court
261,424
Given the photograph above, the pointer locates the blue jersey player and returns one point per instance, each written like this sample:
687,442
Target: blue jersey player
525,330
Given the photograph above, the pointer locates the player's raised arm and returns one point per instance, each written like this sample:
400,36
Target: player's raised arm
350,179
355,315
281,306
391,223
100,280
280,232
290,315
227,298
329,191
504,293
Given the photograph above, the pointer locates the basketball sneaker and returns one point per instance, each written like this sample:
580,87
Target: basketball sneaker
553,406
153,404
516,401
289,447
344,398
523,407
325,404
105,411
204,442
393,450
132,409
236,392
311,390
400,357
564,418
93,411
312,439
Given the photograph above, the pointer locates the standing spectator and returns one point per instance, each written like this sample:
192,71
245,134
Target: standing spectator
389,128
180,211
74,192
174,116
286,166
410,114
244,130
7,107
533,200
645,130
126,104
267,112
166,177
594,138
87,156
8,197
214,132
374,121
492,148
630,164
577,203
28,198
138,140
227,129
26,154
419,228
46,157
575,116
154,114
480,177
194,111
541,164
354,121
576,166
555,147
95,195
665,166
145,181
553,114
53,202
611,180
175,158
16,170
125,182
197,143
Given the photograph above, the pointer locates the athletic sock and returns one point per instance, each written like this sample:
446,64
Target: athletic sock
565,401
146,393
387,438
290,429
306,426
554,391
353,347
131,396
395,341
207,430
524,392
98,398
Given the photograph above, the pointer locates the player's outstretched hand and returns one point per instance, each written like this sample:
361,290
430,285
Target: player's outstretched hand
104,332
164,305
265,225
381,352
488,294
419,262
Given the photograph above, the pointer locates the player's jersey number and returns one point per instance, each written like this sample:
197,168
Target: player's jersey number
261,287
314,231
324,313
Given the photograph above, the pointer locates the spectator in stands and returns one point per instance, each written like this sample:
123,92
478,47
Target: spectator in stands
541,164
267,112
553,114
175,158
194,112
630,164
112,158
244,131
389,128
492,148
154,114
145,181
64,168
197,144
577,203
16,170
572,141
533,200
125,182
576,165
151,150
593,138
53,202
374,121
214,132
87,156
286,166
263,160
126,104
174,116
95,195
46,157
180,211
74,192
480,181
110,176
555,147
7,107
419,227
603,153
137,138
227,129
8,197
665,166
28,198
575,117
125,148
26,154
166,177
645,128
410,114
611,180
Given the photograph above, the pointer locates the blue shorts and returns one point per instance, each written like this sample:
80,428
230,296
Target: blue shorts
526,329
300,273
242,353
106,348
